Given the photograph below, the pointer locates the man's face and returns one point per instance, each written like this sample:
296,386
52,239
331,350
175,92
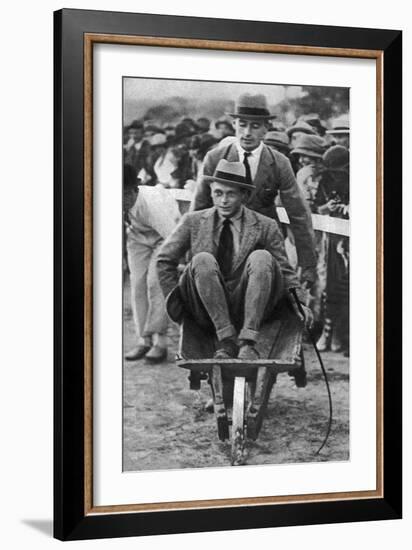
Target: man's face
226,198
307,160
135,134
250,133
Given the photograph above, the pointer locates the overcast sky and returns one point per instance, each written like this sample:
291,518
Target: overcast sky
161,89
139,93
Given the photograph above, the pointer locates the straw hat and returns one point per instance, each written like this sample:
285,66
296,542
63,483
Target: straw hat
230,173
340,125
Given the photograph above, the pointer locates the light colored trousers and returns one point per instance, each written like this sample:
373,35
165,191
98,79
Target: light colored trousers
147,301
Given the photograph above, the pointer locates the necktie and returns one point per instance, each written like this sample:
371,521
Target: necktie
247,166
224,254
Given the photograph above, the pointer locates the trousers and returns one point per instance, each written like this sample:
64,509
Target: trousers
234,307
147,301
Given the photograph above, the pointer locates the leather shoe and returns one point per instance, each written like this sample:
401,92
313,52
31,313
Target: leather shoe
156,354
247,351
226,349
137,353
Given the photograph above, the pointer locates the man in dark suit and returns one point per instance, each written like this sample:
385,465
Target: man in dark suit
238,270
269,172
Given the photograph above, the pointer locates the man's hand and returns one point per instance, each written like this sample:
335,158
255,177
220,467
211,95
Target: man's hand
306,317
308,276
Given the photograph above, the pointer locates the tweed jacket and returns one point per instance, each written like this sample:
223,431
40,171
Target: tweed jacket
196,233
274,177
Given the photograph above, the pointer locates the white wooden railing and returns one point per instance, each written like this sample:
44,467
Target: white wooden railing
320,222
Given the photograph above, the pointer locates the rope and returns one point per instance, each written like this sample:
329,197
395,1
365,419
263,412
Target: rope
312,339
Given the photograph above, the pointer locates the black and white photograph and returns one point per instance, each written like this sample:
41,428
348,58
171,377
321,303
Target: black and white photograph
236,263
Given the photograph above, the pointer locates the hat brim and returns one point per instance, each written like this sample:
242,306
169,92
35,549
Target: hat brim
251,117
337,132
277,144
308,152
291,131
211,179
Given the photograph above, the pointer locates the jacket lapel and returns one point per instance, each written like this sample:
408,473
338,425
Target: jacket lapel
265,169
250,234
203,241
232,155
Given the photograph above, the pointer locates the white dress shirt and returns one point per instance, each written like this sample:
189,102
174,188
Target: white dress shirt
236,228
253,158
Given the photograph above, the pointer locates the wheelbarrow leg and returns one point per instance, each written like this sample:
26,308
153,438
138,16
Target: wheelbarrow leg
238,422
257,408
219,406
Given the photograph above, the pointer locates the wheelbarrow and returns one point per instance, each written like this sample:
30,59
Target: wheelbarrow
241,389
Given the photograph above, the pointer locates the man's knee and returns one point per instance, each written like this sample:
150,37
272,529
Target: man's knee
204,262
260,259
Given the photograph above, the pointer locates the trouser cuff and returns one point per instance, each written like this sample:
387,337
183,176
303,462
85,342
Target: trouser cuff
226,332
248,334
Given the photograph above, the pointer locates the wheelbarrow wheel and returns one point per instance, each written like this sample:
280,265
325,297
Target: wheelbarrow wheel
238,422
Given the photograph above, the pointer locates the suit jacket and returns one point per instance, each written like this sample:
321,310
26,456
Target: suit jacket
274,176
196,233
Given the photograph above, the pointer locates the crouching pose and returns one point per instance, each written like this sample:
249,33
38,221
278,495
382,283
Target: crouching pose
238,270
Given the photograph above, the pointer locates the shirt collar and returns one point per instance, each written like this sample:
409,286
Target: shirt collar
255,153
236,219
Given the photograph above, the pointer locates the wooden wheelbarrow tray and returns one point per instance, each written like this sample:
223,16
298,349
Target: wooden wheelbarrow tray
245,386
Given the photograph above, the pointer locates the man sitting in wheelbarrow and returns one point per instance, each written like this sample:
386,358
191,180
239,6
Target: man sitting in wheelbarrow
238,270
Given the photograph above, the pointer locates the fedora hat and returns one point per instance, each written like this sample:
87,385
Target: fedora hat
230,173
312,146
300,126
313,119
252,107
277,139
340,125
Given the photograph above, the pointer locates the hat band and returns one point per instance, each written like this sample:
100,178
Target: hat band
341,128
228,176
252,111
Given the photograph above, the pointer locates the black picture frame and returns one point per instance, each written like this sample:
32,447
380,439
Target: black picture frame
71,520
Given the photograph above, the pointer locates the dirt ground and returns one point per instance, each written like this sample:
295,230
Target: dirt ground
165,425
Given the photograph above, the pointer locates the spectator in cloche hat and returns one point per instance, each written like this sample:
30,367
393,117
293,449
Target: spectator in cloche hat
164,161
308,154
224,128
340,131
200,144
296,130
278,141
203,125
